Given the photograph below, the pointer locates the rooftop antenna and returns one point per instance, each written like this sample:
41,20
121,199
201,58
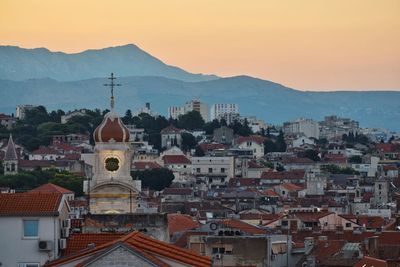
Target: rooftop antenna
112,84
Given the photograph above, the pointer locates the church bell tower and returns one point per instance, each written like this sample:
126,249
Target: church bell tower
112,189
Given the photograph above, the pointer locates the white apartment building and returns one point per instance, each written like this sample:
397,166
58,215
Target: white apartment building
36,231
192,105
307,127
229,112
215,171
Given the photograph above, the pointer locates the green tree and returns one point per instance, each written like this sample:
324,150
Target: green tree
155,179
280,142
311,154
128,118
210,126
191,121
188,141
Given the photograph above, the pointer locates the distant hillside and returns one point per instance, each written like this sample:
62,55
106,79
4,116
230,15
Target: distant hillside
267,100
128,60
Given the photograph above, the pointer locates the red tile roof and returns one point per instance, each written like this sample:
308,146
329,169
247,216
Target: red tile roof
52,188
270,193
365,220
325,249
45,151
30,204
387,148
78,242
170,129
297,161
371,262
210,147
146,165
254,165
253,138
154,250
72,156
180,223
311,216
291,187
294,174
243,226
176,159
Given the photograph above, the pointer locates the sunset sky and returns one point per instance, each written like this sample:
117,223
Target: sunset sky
303,44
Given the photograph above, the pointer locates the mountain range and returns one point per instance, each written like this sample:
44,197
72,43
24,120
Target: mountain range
69,81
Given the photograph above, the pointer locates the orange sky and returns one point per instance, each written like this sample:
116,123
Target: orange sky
304,44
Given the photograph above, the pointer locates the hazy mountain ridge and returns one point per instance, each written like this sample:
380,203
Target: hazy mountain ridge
128,60
267,100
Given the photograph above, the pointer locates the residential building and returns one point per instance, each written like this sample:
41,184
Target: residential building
65,118
22,109
7,121
228,112
171,136
33,228
307,127
254,142
192,105
213,171
223,135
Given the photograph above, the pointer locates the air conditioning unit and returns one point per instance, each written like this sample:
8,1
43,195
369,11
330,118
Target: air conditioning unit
66,223
65,232
45,245
62,243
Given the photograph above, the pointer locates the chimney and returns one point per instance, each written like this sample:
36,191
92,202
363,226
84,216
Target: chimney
373,246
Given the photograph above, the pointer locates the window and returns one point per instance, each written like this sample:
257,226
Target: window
380,187
198,170
31,228
210,170
222,170
348,225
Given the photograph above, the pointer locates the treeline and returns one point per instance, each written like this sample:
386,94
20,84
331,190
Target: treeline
38,126
26,181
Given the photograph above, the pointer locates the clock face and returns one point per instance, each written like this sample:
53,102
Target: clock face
112,164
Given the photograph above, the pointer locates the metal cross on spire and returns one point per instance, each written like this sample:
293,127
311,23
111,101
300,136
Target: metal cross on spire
112,84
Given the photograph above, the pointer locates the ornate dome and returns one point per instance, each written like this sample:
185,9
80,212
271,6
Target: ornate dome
111,129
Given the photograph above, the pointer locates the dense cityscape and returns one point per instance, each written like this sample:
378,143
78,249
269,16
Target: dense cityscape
203,186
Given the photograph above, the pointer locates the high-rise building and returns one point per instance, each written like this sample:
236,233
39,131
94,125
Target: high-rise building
307,127
192,105
228,112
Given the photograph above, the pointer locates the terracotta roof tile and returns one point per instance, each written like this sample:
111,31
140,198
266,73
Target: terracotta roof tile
291,187
371,262
46,151
180,223
170,129
78,242
151,247
243,226
294,174
176,159
30,204
51,188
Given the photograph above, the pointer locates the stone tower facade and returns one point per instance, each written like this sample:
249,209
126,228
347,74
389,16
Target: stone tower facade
112,189
10,162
